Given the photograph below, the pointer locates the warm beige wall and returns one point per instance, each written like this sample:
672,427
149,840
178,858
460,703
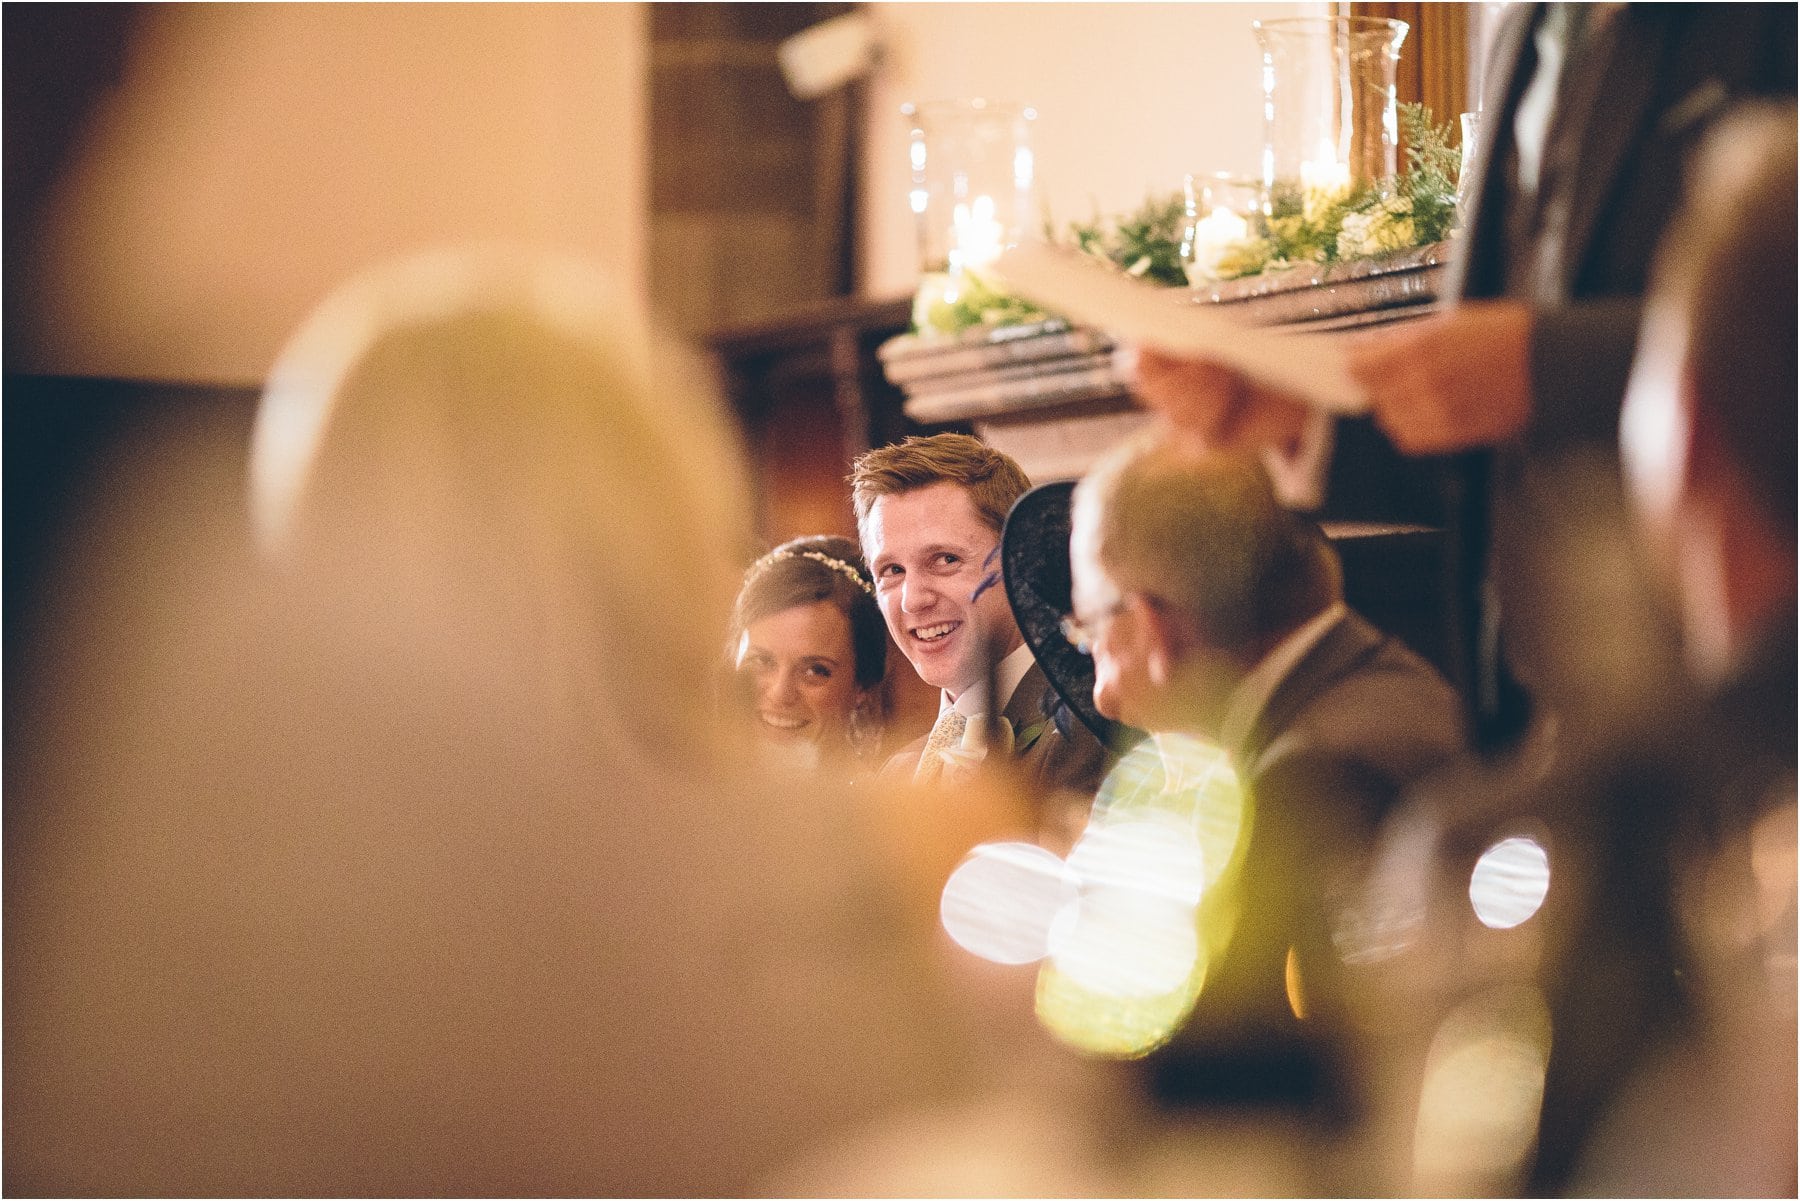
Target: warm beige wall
1129,98
257,154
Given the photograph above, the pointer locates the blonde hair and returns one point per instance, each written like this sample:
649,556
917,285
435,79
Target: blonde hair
992,480
504,428
1206,535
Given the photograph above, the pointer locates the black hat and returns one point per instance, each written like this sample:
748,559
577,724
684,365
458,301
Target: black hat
1034,562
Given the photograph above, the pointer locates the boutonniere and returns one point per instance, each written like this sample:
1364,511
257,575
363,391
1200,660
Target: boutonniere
1055,715
1027,736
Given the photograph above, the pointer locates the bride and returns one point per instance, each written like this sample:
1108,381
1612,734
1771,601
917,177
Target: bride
810,650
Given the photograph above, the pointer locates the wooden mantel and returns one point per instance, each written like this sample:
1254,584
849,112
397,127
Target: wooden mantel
1055,438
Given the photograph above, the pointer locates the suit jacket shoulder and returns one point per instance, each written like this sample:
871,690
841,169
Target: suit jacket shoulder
1362,716
1343,733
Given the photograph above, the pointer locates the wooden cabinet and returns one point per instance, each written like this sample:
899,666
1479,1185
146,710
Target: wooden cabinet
810,397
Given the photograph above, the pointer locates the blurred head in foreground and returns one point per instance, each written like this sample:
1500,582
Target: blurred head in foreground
810,648
393,851
1708,430
1708,442
1172,634
505,441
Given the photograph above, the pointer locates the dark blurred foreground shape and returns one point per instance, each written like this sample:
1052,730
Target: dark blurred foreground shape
1590,948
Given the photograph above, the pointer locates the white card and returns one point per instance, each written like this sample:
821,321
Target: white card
1310,367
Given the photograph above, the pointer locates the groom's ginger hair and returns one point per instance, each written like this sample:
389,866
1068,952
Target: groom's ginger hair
992,480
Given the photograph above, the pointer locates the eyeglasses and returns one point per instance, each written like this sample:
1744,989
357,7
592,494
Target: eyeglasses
1083,634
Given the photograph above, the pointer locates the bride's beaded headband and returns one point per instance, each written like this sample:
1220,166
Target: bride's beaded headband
837,565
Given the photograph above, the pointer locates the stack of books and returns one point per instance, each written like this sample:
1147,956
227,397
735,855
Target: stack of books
990,371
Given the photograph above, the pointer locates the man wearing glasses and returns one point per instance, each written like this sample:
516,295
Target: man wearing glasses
1212,611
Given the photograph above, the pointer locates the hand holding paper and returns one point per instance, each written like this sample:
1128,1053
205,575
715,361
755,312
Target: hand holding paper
1218,407
1454,380
1309,368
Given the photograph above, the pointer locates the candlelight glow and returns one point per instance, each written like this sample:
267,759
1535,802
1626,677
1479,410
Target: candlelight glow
1024,167
1323,180
1214,236
979,237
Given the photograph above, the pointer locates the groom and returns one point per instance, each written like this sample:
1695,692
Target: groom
930,512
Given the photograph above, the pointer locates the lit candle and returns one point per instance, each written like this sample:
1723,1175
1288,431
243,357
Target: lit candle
979,237
1214,235
1323,181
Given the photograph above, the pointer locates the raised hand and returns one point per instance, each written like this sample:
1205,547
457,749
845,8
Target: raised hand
1453,381
1214,407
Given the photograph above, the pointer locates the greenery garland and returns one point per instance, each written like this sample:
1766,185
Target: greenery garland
1146,244
1414,208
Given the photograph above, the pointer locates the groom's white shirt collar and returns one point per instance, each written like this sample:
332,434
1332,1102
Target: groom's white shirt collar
1007,674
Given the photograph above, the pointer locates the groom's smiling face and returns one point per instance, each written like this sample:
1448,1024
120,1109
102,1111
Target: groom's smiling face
928,549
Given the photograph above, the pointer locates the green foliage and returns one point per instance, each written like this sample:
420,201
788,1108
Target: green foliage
974,300
1296,238
1415,208
1429,182
1146,243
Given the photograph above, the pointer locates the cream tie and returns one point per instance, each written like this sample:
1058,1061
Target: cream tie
946,734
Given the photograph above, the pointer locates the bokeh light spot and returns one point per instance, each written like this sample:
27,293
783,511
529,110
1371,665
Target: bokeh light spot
1483,1087
1296,993
1125,942
1157,853
1509,882
1188,779
1128,960
1116,1027
1000,901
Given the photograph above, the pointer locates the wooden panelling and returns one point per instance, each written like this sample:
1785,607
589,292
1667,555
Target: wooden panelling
1434,61
750,203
